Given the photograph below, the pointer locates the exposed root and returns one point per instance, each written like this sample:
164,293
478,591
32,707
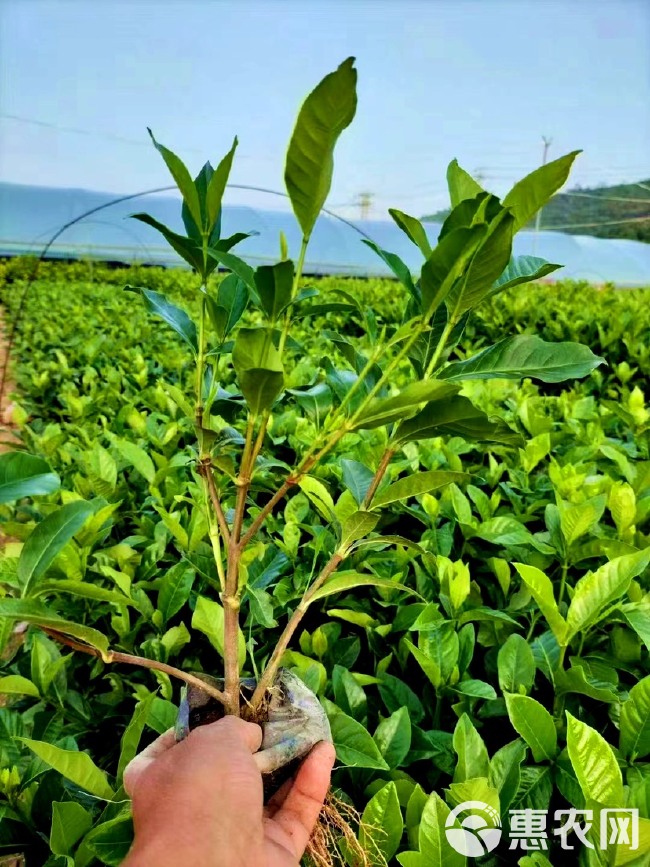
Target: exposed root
334,840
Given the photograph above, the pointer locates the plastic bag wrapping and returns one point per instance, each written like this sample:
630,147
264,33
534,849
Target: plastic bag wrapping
295,723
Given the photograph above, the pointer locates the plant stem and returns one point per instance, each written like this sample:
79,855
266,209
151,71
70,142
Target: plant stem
565,569
379,475
200,366
294,291
444,337
142,661
206,471
269,673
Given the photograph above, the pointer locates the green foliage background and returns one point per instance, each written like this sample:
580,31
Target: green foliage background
445,686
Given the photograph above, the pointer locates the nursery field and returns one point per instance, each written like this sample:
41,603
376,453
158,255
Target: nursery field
491,645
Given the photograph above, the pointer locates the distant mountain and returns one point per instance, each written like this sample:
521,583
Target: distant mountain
577,210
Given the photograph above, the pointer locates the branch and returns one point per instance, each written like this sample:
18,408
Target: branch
379,475
206,471
268,676
142,661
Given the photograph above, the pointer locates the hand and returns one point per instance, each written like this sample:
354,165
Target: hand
201,802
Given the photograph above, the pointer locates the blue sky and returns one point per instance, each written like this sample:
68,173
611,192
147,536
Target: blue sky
473,79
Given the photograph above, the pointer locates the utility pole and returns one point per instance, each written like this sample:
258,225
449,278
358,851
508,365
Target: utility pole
364,203
547,144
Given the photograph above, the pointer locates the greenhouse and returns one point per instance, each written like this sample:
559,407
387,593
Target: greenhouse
31,216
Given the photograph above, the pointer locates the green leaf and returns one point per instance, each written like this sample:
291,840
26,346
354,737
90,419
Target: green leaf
525,355
132,734
455,416
326,112
396,265
541,589
461,184
186,248
594,764
274,284
416,484
471,751
208,618
233,263
38,615
182,178
393,737
447,263
75,766
413,229
505,771
70,821
349,580
47,539
434,846
402,405
111,840
475,689
136,456
354,746
523,269
634,723
227,308
171,314
577,519
597,590
516,665
23,475
83,589
356,527
533,192
174,589
382,826
356,478
319,496
14,684
486,266
534,723
349,695
217,186
258,365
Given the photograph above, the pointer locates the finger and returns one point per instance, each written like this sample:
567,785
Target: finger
229,733
270,760
146,758
299,813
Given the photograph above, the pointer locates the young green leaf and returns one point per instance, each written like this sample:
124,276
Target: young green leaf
326,112
461,184
70,821
533,192
413,229
516,665
471,751
75,766
132,734
525,355
382,826
182,178
594,763
416,484
403,405
227,308
23,475
274,284
635,721
15,684
447,263
217,186
208,618
393,737
534,723
354,746
454,416
597,590
356,527
39,615
47,539
541,589
396,265
187,248
171,314
523,269
174,589
356,478
258,365
349,580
